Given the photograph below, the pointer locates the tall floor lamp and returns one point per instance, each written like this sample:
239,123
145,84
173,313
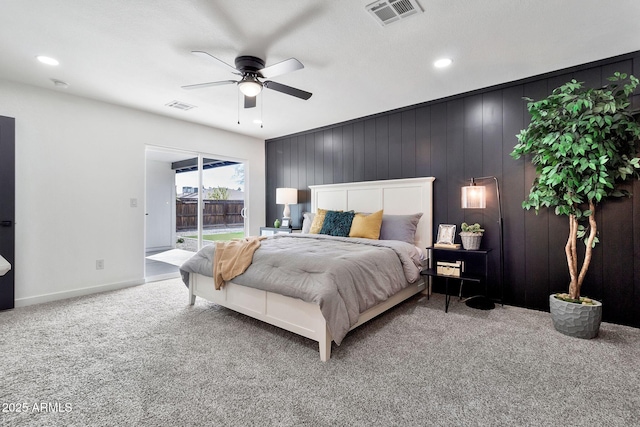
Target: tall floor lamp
473,197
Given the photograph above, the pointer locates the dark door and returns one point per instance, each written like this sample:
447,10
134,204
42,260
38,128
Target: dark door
7,207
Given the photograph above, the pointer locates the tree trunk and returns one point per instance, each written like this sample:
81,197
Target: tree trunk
572,256
572,252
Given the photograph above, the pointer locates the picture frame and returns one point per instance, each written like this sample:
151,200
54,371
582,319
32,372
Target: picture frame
446,234
286,223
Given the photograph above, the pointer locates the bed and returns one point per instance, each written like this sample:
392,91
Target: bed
395,197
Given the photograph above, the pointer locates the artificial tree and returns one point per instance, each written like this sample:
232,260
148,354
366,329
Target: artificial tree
584,142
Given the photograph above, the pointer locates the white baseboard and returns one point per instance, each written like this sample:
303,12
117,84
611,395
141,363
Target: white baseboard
39,299
158,249
159,277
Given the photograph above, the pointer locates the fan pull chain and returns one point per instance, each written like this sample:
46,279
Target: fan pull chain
261,110
238,99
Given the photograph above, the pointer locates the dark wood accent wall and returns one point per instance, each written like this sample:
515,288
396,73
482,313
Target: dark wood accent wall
472,135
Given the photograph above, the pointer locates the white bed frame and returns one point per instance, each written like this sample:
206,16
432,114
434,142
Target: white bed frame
396,197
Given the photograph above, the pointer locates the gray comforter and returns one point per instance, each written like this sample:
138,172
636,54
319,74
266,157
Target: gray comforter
344,276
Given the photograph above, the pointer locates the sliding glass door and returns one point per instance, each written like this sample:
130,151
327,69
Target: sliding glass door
192,200
217,186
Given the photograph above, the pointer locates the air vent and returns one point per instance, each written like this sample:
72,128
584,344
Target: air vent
180,105
390,11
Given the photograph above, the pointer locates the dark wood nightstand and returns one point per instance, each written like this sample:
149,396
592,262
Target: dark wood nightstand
440,254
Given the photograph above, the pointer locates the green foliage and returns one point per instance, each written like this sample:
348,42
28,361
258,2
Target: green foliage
583,142
219,193
475,228
219,236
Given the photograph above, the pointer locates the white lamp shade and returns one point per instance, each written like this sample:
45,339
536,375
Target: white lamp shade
286,196
473,197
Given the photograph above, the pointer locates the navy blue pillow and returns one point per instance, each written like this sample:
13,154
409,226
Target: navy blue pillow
337,223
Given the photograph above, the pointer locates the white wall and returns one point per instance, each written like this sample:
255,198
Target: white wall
78,164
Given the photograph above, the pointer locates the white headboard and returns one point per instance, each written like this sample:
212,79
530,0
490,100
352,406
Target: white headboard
395,196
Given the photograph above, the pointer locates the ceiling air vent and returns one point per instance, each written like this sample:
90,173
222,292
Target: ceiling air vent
180,105
389,11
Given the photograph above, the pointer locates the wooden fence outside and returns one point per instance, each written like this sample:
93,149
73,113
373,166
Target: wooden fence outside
216,214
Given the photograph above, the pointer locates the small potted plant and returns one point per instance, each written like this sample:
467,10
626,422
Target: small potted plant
471,236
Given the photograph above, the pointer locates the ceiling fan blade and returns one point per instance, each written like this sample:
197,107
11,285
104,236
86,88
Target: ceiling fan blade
278,87
201,85
286,66
218,61
249,101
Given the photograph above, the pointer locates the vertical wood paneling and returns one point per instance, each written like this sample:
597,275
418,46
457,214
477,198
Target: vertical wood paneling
328,156
473,135
320,158
358,152
455,160
303,193
310,147
439,168
395,146
294,170
423,141
349,163
286,163
492,166
512,188
338,155
271,182
370,150
470,159
382,147
293,179
408,143
280,163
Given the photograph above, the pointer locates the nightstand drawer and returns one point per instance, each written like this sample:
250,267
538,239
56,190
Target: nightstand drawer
270,231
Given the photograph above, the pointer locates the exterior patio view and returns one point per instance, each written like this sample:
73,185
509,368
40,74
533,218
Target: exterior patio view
221,219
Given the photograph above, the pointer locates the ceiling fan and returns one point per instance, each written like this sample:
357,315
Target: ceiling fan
253,72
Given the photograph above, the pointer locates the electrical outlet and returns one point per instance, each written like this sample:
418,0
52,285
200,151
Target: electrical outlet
99,264
133,203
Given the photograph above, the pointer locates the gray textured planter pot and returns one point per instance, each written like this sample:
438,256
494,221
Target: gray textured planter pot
576,320
471,241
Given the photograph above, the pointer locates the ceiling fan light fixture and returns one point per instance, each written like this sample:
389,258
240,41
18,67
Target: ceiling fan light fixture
250,86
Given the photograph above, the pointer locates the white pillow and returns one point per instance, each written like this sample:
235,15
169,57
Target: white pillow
307,221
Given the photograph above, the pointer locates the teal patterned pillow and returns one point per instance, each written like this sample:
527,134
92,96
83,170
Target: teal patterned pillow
337,223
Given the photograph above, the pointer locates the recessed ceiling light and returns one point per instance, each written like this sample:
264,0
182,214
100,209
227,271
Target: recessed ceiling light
257,121
47,60
441,63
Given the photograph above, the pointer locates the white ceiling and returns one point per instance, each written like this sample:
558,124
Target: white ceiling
137,53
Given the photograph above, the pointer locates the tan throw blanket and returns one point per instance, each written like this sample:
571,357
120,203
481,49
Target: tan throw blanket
232,258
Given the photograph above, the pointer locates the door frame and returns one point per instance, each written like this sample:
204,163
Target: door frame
200,156
8,209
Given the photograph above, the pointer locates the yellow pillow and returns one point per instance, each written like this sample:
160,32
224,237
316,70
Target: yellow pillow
367,226
318,220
